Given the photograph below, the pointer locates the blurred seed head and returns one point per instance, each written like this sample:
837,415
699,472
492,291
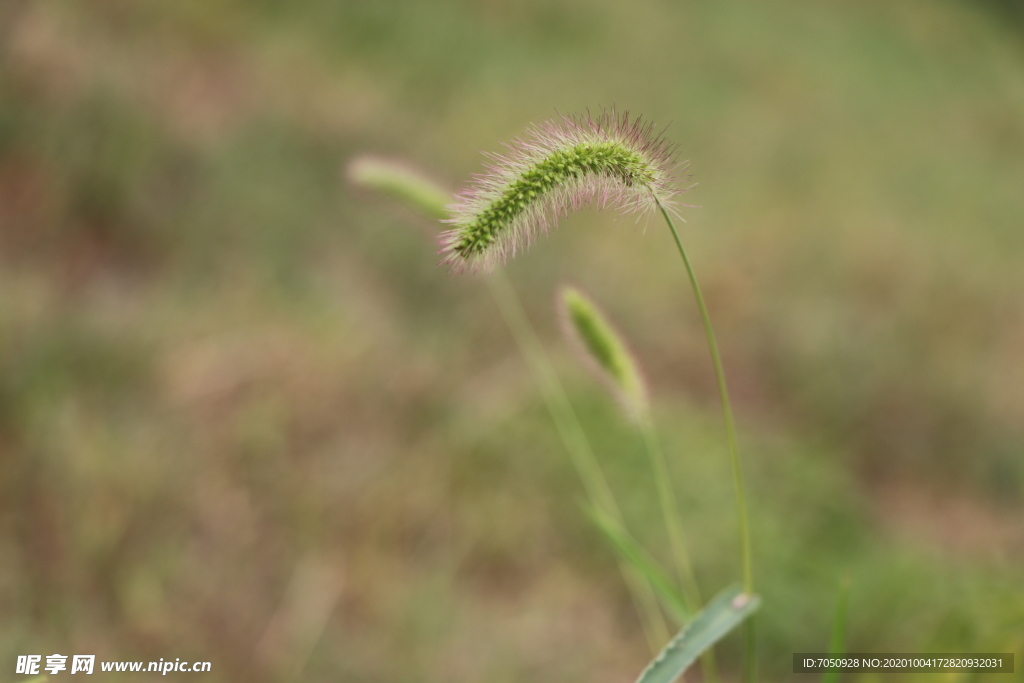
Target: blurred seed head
609,160
401,182
604,351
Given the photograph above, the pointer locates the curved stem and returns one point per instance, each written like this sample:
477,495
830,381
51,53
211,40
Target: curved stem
730,423
567,423
750,660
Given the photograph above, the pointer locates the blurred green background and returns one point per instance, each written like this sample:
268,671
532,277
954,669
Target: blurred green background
245,418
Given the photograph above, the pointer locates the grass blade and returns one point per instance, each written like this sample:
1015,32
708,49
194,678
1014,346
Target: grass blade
636,557
836,642
723,614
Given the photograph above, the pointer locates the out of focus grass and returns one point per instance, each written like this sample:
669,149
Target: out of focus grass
235,397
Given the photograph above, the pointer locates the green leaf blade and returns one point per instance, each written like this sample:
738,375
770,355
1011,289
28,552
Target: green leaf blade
638,559
722,615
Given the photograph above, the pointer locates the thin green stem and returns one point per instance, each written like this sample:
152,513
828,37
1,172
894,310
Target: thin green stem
676,538
836,644
670,514
750,653
566,421
730,423
750,659
574,438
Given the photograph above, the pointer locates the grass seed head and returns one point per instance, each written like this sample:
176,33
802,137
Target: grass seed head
605,351
400,181
609,160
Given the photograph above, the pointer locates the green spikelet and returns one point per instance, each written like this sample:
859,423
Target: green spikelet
401,182
602,345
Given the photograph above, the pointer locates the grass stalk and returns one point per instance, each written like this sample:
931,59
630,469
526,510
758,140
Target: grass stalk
670,514
743,521
677,541
730,422
608,353
837,642
414,189
567,424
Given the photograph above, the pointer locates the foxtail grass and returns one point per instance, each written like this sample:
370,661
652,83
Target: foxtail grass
562,165
400,182
609,160
612,161
409,186
605,351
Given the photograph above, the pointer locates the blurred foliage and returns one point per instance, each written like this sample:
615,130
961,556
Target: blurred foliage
230,385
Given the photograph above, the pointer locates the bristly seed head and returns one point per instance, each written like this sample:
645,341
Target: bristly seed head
561,165
400,181
604,349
